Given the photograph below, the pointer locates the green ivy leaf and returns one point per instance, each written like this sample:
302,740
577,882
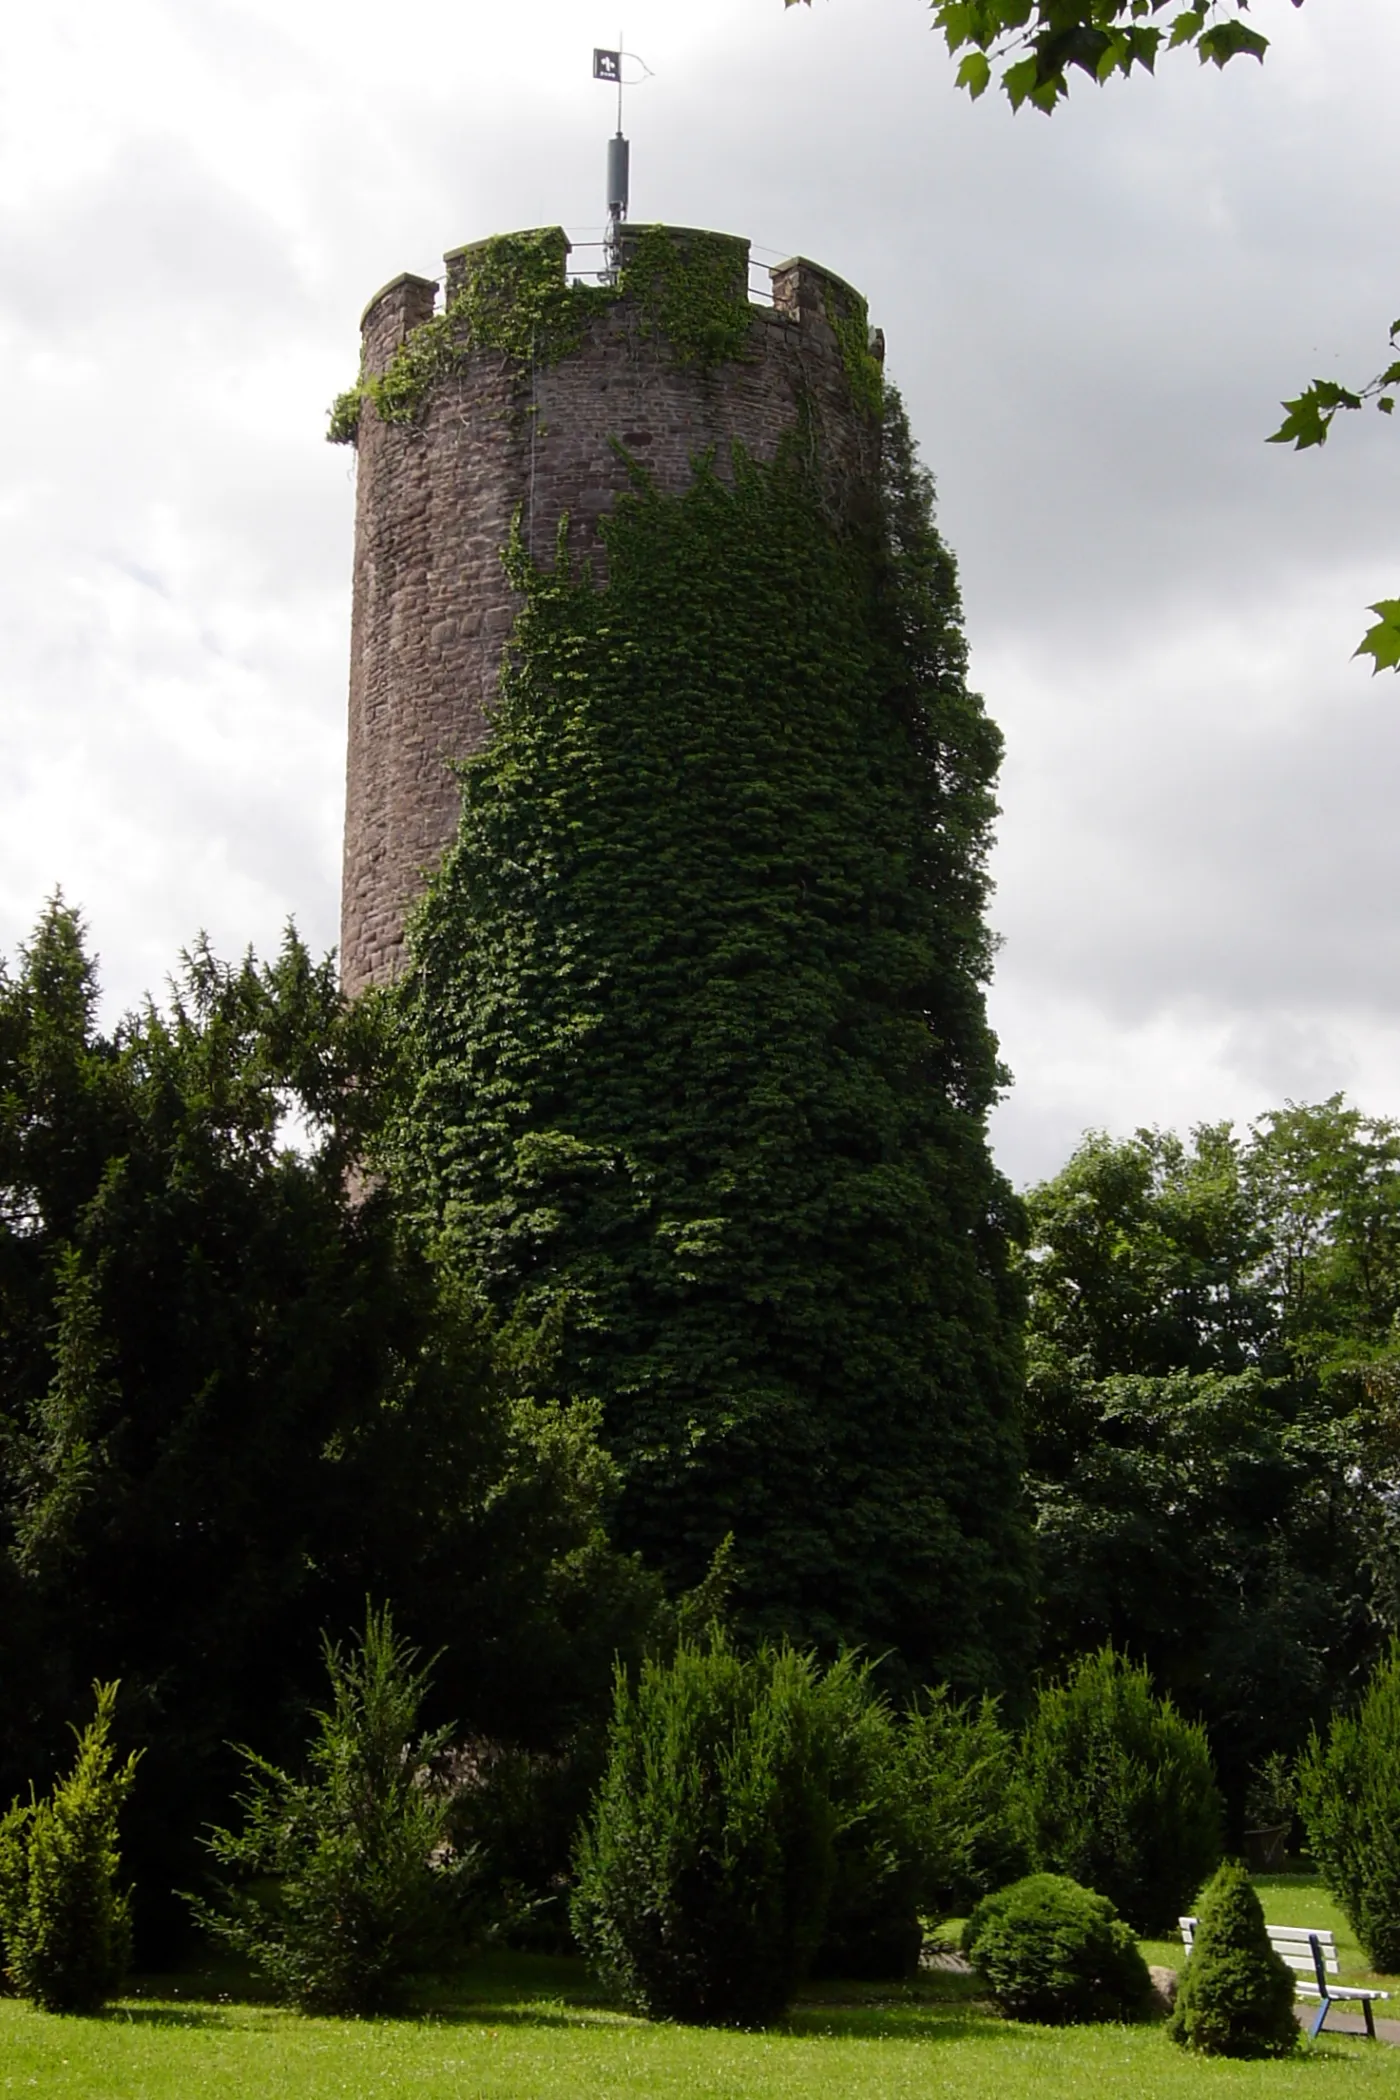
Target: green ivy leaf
1021,81
975,73
1116,57
1186,28
1229,40
1383,640
702,974
1305,424
1309,418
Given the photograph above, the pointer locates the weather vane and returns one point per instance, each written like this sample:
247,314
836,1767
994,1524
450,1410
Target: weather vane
607,65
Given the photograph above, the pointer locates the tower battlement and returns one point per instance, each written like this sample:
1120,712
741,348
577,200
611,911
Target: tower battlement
525,395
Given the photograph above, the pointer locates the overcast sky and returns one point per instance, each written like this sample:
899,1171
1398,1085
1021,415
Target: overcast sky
1093,320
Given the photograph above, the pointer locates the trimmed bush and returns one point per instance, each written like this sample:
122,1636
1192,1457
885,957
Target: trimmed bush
1050,1950
1116,1789
705,1867
1236,1995
922,1824
962,1765
873,1927
65,1926
352,1887
1349,1801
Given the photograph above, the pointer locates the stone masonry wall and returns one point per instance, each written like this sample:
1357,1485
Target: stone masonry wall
434,504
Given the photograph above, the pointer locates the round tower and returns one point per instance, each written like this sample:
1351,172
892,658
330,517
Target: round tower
525,399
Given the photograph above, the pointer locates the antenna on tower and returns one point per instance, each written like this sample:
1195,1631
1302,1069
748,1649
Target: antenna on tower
607,65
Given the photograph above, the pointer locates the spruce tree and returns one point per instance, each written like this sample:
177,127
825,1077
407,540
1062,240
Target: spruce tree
351,1888
1349,1798
65,1923
704,1868
1236,1994
698,1057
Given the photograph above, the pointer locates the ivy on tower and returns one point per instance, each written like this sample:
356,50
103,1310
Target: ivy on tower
698,1064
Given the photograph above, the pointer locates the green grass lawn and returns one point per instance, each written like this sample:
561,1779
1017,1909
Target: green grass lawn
523,2027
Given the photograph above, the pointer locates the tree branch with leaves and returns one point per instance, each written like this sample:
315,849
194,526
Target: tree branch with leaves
1307,423
1034,47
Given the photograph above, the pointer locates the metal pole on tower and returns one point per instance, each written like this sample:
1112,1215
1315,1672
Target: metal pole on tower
607,65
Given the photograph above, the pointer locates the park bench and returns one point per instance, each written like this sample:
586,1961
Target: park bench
1311,1953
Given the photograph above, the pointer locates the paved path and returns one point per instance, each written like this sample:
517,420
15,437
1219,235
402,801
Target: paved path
1340,2022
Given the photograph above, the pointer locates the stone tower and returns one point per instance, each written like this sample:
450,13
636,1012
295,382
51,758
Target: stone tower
520,399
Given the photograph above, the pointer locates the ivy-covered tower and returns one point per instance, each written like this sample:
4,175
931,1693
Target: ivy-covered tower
693,1019
525,397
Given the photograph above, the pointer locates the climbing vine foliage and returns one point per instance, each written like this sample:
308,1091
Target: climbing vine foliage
699,1060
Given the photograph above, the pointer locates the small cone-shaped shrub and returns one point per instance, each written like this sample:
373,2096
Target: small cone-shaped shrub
1053,1951
1349,1799
64,1924
1236,1994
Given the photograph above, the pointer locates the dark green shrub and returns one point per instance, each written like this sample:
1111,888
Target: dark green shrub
1053,1951
238,1392
923,1823
518,1807
1349,1800
1236,1995
1271,1797
1270,1805
65,1926
1116,1789
352,1886
873,1927
961,1764
518,1810
704,1869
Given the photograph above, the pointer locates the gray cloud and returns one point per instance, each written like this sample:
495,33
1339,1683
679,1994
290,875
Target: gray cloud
1093,320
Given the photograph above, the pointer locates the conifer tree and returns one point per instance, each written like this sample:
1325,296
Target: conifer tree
65,1924
1349,1797
1236,1994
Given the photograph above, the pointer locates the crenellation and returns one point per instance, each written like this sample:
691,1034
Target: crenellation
501,438
397,308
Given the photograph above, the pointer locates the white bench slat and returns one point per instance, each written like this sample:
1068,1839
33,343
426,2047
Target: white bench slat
1288,1941
1293,1943
1302,1956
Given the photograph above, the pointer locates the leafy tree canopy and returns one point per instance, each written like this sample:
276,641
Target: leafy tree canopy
236,1394
1213,1411
1037,45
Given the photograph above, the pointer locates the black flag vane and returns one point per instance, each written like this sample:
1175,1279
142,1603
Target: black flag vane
607,65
